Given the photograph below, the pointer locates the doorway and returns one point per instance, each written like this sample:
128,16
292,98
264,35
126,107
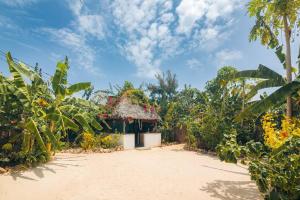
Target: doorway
137,133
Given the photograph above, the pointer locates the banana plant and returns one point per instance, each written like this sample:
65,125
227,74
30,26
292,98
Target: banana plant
62,113
26,95
43,117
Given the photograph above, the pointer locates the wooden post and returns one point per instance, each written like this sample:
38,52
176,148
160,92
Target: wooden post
124,126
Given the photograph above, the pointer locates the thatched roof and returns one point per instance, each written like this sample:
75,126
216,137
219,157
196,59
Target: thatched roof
125,109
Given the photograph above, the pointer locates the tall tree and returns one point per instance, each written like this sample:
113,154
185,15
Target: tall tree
164,91
272,17
166,87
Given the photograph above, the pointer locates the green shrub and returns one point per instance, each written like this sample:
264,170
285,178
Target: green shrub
212,131
229,150
88,141
277,173
192,132
108,142
7,147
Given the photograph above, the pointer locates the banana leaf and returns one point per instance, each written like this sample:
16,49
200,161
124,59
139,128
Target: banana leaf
60,79
32,128
78,87
262,72
275,99
262,85
96,125
82,121
67,123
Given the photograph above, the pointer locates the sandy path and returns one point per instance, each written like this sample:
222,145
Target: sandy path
160,173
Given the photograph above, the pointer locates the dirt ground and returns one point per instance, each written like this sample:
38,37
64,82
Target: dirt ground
156,174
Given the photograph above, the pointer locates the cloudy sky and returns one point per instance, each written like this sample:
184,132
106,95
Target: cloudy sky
109,41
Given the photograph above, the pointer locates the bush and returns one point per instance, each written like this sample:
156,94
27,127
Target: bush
88,141
192,132
274,165
167,135
229,150
277,173
212,131
108,142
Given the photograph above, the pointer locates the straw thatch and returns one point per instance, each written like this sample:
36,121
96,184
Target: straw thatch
124,109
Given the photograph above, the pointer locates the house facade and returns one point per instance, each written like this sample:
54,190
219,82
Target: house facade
137,124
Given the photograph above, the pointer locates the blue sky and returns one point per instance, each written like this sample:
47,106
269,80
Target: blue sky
110,41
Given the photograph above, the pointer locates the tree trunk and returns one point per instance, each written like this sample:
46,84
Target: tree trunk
243,98
298,61
288,64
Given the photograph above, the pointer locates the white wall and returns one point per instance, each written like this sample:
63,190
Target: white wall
127,140
152,139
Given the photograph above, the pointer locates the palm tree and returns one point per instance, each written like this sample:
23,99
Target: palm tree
164,91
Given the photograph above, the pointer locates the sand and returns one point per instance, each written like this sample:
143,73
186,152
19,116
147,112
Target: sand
156,174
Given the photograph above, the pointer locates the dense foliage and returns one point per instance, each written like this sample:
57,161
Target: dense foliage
35,118
205,116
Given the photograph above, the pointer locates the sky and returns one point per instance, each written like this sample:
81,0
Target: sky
110,41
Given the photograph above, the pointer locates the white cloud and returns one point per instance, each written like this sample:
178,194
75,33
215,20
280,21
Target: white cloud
92,24
226,56
189,11
211,37
207,11
167,18
75,6
85,22
76,38
194,64
17,3
148,32
76,43
147,26
7,23
154,32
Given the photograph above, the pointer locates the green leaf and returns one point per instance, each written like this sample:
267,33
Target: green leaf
32,128
262,72
59,79
262,85
96,125
280,55
276,98
69,124
18,80
85,125
78,87
52,138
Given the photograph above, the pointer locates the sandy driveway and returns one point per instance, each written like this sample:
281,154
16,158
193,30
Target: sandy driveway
160,173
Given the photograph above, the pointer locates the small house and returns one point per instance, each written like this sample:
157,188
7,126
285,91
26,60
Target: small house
136,123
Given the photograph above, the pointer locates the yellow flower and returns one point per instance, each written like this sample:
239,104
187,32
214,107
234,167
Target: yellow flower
274,138
42,102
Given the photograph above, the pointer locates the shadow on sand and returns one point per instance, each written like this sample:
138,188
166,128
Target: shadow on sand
58,163
225,170
232,190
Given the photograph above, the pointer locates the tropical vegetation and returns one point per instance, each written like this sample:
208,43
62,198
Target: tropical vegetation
230,116
36,115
